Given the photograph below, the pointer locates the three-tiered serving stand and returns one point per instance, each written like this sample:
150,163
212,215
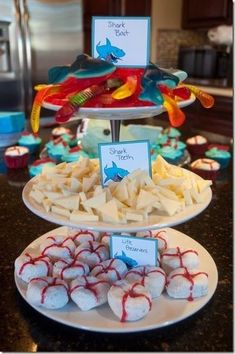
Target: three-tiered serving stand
165,310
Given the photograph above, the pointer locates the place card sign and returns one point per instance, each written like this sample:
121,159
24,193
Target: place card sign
117,160
134,251
123,41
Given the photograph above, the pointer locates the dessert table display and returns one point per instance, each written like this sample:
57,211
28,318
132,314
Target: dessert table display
28,330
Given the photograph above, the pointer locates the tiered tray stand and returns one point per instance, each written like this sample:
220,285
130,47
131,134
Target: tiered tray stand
165,310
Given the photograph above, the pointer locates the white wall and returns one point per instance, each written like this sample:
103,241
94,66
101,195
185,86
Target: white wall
165,14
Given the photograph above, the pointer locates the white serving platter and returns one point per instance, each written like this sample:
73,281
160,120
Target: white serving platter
155,221
119,113
165,310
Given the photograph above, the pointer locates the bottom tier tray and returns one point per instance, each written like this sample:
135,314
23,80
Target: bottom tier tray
165,310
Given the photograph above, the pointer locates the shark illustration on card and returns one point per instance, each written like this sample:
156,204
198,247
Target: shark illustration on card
114,173
109,52
118,159
123,41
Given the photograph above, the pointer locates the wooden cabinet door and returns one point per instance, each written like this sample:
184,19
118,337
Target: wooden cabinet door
206,13
110,8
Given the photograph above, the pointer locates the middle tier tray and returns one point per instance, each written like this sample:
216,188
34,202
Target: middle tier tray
155,221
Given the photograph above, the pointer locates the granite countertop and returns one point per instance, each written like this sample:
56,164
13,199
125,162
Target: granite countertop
22,329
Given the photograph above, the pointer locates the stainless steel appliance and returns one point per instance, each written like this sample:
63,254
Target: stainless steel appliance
207,62
35,35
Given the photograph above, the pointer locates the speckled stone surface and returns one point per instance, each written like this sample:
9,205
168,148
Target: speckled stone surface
22,329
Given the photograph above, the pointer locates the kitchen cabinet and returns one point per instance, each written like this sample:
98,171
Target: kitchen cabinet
111,8
206,13
218,119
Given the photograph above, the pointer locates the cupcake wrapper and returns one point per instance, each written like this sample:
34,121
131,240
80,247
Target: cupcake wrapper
17,161
197,149
212,175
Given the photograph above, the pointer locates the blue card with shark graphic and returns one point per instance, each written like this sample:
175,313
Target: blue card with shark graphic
118,159
123,41
134,251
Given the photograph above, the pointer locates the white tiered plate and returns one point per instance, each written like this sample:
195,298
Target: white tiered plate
165,310
120,113
154,221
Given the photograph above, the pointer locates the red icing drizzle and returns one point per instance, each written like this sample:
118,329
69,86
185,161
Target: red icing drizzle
44,289
205,161
85,232
108,268
179,254
89,285
58,245
91,250
144,273
157,235
68,265
35,261
190,278
41,161
131,293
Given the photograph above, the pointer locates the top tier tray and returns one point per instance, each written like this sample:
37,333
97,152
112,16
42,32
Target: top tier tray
120,113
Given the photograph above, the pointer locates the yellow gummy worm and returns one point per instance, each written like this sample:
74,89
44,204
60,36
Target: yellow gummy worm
127,89
42,91
206,100
176,116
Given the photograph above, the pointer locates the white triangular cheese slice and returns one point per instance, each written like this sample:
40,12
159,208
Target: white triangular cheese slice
169,205
109,211
61,211
47,204
96,202
145,199
71,202
53,195
203,184
78,216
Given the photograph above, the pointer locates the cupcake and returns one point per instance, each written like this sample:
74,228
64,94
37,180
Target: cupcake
31,141
74,154
58,131
162,139
219,146
206,168
172,133
176,144
197,145
170,154
56,149
16,156
221,156
38,165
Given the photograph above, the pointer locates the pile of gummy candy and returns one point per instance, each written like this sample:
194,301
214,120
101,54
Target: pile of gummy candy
92,82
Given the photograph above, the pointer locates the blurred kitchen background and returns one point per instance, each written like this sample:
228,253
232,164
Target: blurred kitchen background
193,35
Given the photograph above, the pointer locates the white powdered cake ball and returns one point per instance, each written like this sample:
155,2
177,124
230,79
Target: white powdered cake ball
48,292
105,237
92,253
79,236
88,292
57,247
151,277
187,284
69,269
160,235
173,258
110,270
29,266
129,302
